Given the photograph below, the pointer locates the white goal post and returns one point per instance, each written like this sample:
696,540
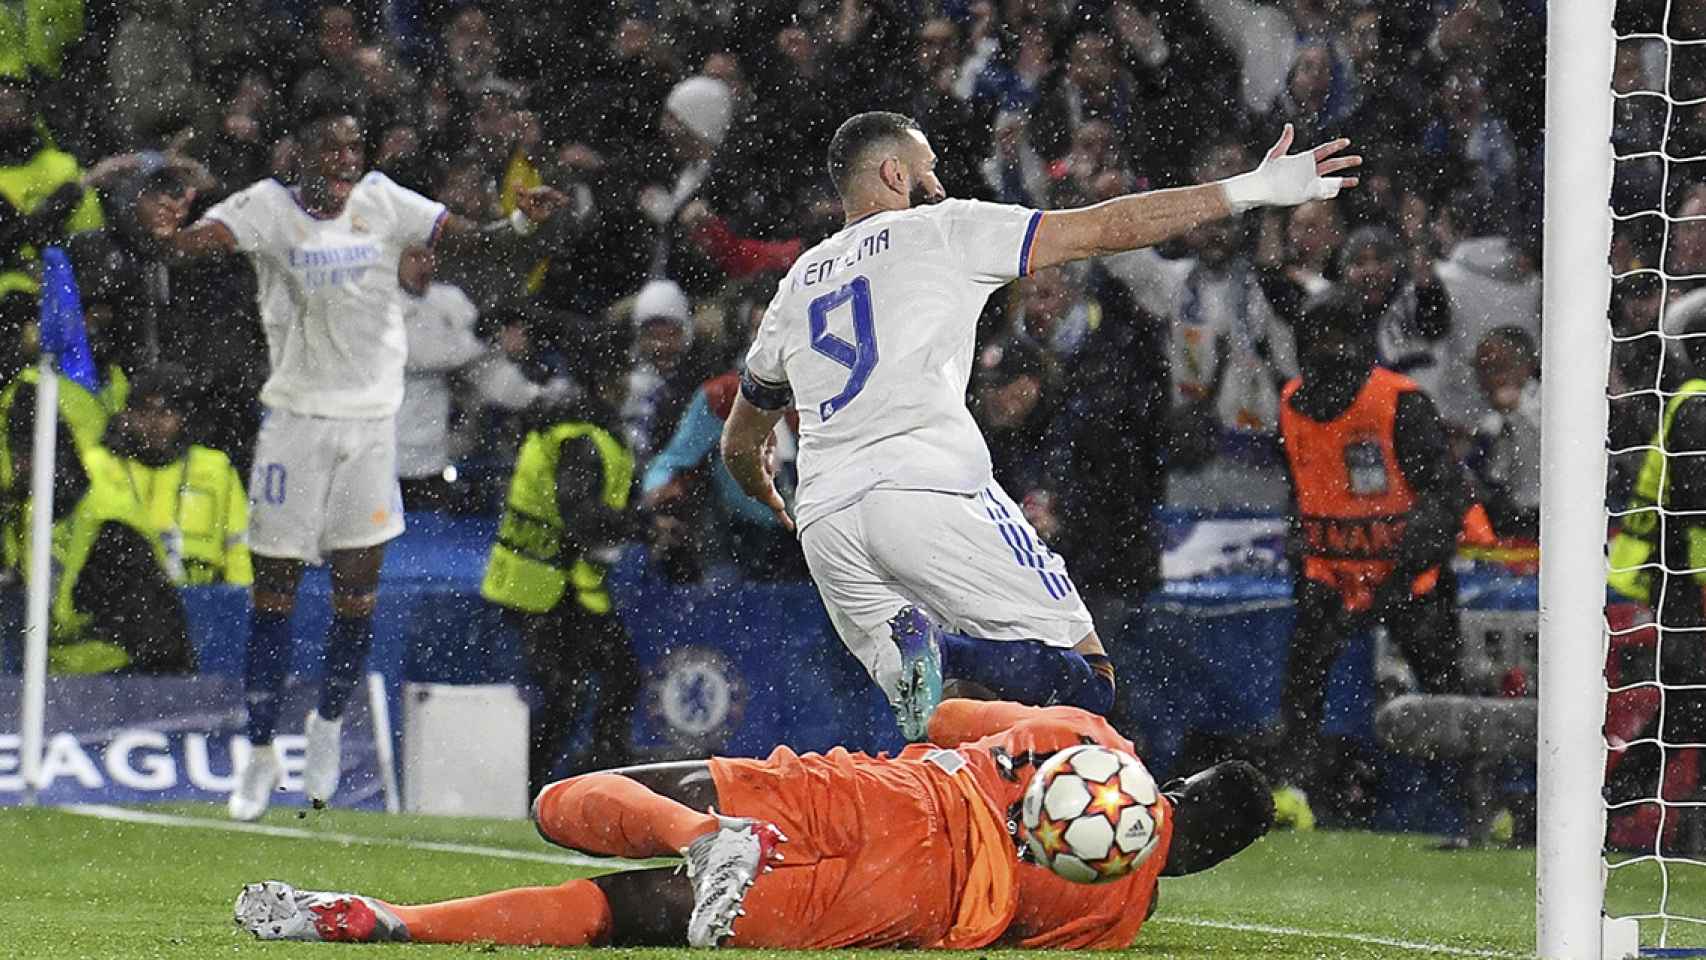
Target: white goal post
1575,356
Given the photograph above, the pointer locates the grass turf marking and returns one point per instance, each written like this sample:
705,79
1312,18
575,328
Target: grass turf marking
126,815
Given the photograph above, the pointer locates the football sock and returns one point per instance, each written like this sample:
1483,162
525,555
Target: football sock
1029,671
613,816
263,675
347,643
573,914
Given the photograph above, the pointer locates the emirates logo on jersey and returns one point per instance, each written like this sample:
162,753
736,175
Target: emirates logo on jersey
358,223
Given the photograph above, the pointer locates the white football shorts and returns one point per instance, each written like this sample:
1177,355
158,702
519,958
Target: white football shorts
320,484
971,562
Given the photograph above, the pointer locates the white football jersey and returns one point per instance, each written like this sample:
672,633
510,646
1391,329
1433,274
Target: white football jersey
874,330
329,298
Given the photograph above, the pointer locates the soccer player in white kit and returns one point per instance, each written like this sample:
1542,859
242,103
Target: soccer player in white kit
324,482
927,567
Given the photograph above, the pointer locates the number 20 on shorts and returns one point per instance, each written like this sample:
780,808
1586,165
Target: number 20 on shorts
860,356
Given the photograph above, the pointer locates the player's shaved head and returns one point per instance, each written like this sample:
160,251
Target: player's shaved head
859,138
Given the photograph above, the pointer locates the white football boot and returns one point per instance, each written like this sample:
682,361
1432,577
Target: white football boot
256,782
325,755
275,910
722,867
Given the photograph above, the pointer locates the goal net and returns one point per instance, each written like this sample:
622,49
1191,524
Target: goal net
1622,824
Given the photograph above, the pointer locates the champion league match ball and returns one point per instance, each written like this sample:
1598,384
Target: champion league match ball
1091,814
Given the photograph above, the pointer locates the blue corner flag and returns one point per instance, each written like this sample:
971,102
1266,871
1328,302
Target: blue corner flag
62,331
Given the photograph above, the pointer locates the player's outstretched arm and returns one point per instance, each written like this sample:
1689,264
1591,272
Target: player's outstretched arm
1144,219
532,208
749,452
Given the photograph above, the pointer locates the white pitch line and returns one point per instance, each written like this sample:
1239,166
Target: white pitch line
1371,940
126,815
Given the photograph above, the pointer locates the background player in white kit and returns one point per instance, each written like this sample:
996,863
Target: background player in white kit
324,481
922,560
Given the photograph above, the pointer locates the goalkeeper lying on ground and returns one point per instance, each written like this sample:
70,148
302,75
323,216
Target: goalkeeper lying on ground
818,851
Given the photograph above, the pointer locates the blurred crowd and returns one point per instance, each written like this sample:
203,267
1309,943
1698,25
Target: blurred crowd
690,138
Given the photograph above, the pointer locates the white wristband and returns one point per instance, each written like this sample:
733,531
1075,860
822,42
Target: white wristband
1245,191
520,223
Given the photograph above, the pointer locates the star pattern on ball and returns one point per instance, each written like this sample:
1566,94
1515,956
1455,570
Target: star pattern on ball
1116,864
1108,799
1051,837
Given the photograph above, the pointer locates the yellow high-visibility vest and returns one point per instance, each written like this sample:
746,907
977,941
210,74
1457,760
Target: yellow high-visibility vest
527,570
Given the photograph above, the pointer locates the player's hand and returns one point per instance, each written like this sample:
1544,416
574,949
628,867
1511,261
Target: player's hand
539,203
1285,180
768,496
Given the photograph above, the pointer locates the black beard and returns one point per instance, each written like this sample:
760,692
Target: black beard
919,198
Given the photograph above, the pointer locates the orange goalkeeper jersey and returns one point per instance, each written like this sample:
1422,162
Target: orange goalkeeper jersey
881,852
1005,742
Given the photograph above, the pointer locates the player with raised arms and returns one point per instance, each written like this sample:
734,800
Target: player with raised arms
324,482
815,851
927,567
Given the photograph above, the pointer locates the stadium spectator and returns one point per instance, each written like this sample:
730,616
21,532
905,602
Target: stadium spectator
1306,100
1094,85
43,198
1053,311
809,850
1014,397
666,370
1112,429
1468,142
440,322
1684,248
1265,39
1379,501
568,504
1382,92
696,117
154,93
942,102
1506,448
113,607
755,540
190,494
1490,282
1399,296
34,41
1296,255
1013,171
1657,559
1229,356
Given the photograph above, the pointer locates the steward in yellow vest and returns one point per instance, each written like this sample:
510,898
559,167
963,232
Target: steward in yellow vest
1658,557
566,512
84,411
191,495
42,199
113,603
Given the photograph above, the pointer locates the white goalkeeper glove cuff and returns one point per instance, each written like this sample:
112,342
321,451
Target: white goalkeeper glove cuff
1283,182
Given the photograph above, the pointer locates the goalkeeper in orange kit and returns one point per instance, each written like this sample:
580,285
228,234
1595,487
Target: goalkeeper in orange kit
808,851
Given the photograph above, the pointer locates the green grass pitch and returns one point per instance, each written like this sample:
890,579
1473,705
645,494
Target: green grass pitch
74,886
